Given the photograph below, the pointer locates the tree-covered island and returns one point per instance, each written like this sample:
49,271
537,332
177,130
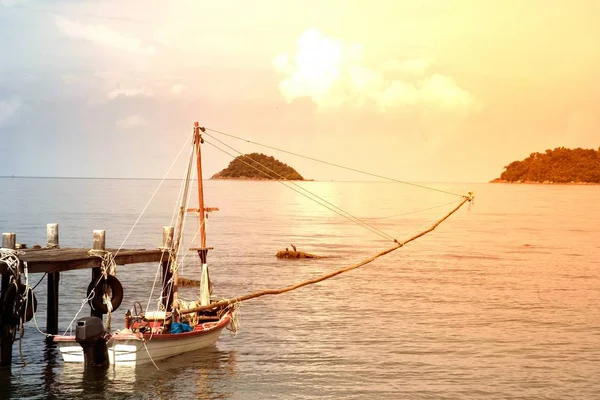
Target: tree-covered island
257,166
560,165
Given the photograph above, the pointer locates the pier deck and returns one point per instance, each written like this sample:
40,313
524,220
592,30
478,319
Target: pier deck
52,260
68,259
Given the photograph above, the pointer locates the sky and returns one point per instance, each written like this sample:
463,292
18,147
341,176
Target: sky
423,91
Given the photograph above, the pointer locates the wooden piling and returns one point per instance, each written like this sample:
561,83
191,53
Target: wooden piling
99,240
9,240
7,330
52,235
52,284
99,243
167,292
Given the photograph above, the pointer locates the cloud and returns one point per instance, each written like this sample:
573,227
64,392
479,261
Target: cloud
130,92
8,108
331,72
101,35
132,121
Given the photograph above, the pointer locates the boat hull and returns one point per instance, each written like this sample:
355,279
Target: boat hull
134,349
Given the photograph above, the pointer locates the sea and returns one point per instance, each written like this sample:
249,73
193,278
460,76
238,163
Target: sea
500,301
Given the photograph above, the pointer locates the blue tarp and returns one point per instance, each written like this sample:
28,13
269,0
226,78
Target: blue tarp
180,327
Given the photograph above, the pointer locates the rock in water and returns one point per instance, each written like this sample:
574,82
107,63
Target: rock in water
295,254
187,282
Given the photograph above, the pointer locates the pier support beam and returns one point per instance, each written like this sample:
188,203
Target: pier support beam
53,282
167,288
99,244
7,330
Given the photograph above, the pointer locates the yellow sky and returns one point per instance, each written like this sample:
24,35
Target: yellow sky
427,90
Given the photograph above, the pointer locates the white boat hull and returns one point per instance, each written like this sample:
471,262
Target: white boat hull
133,349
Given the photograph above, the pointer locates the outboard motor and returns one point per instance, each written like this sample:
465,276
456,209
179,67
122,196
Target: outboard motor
90,336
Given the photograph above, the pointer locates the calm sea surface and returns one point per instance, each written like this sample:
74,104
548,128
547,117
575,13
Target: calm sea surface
502,301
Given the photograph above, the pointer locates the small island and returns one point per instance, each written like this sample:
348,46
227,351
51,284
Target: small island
561,165
257,166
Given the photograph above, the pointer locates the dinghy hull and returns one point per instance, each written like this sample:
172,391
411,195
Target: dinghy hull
137,348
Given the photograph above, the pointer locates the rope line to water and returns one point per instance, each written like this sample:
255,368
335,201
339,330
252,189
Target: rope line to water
335,165
315,198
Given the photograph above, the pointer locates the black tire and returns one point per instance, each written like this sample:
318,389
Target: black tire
116,294
9,310
27,314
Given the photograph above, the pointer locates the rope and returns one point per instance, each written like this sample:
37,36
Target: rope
40,281
149,355
107,264
333,208
164,250
10,257
151,198
236,319
417,211
36,324
335,165
227,302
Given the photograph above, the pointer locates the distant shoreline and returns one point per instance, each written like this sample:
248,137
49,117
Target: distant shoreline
245,178
545,183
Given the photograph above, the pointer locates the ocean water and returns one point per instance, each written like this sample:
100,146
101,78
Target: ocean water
500,302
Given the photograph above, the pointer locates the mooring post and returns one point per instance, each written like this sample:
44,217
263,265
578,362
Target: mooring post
52,235
53,282
7,330
98,244
167,292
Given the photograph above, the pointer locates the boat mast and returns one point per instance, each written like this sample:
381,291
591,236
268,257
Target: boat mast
202,250
205,286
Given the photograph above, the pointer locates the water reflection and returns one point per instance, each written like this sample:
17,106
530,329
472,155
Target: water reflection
204,373
50,359
6,382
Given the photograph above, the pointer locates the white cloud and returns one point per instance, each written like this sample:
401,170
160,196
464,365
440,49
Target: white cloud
8,108
100,34
132,121
330,72
129,92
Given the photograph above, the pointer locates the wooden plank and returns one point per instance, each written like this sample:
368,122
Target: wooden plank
68,259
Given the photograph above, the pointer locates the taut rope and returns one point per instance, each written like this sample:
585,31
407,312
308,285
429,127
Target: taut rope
249,296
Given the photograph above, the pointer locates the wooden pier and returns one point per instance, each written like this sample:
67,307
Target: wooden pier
53,260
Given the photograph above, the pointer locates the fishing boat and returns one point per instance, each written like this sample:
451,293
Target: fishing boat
179,327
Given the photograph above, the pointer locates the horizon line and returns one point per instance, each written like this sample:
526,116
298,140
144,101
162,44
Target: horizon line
178,179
